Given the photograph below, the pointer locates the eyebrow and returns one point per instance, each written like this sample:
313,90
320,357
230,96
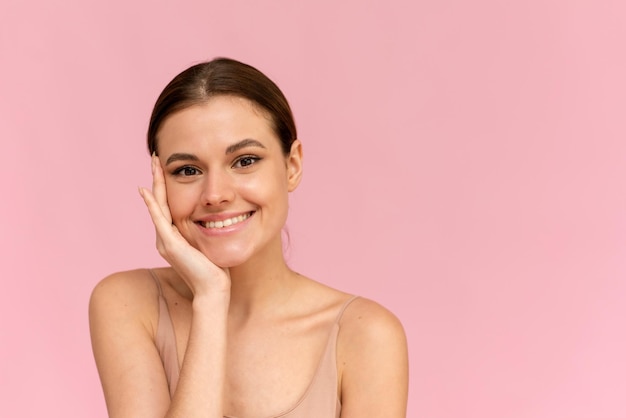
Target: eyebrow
243,144
181,156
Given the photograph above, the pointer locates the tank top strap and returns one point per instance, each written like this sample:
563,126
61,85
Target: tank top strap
320,399
344,307
165,340
156,280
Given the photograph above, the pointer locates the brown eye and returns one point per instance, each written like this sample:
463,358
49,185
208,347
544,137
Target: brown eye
246,161
187,171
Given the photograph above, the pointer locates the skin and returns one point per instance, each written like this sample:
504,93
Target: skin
250,331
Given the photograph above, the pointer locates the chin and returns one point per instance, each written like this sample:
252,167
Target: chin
227,257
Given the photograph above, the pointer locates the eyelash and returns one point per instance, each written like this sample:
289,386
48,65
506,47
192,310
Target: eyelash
237,164
179,171
238,161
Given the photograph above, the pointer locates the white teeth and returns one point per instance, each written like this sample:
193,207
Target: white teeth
226,222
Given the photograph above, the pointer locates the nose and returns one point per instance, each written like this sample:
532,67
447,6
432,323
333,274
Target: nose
218,188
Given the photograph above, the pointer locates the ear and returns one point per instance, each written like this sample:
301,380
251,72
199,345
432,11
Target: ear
294,166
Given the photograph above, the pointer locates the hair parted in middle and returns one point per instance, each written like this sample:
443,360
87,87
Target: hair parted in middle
223,77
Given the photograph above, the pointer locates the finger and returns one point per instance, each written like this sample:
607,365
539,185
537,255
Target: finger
166,234
162,223
158,187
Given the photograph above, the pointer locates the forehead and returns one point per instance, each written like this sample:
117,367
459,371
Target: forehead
221,120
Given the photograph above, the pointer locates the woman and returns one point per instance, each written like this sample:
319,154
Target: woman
229,329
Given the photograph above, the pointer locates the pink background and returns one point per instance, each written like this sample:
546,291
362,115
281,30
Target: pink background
465,166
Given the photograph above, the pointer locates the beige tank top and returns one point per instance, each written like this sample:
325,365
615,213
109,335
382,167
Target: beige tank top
318,401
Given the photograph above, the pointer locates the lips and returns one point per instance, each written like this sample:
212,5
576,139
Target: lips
222,223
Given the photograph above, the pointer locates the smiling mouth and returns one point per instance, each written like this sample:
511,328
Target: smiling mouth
226,222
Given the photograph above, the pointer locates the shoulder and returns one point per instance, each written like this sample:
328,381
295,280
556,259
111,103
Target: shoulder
125,286
128,279
122,295
372,361
367,321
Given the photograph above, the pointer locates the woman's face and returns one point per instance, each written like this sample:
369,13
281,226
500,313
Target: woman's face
227,179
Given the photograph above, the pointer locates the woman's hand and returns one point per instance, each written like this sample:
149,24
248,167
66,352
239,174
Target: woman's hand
199,273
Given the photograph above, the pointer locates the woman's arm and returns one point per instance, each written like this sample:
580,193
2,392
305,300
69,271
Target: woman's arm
122,324
373,358
200,390
130,368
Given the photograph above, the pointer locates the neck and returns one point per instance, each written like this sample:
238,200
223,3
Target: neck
262,285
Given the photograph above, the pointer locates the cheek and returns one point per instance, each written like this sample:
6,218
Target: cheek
265,189
181,199
270,194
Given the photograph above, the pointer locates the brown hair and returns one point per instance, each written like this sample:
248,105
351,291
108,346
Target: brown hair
224,77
